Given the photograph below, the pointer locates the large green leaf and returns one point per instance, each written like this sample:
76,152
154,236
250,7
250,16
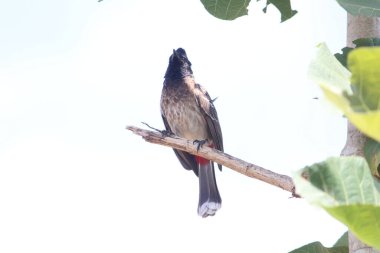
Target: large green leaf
226,9
360,101
284,7
232,9
341,246
372,155
328,72
345,188
342,241
363,42
317,247
364,64
369,8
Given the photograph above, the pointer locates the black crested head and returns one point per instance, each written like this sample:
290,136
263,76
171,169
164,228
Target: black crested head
179,65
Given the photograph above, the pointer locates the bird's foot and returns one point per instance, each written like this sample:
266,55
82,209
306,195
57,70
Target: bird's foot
166,133
199,143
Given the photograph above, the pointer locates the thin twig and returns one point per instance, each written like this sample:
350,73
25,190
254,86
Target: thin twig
282,181
156,129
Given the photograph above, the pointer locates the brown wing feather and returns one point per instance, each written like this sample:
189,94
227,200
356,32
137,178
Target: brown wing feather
187,160
206,104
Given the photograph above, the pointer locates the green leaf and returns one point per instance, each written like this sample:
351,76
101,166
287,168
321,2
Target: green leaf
284,7
342,241
345,188
364,42
226,9
364,64
360,102
342,57
341,246
329,73
369,8
372,155
317,247
232,9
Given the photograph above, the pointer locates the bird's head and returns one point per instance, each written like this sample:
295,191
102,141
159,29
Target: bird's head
179,65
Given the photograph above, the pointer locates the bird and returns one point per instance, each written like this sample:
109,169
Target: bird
188,111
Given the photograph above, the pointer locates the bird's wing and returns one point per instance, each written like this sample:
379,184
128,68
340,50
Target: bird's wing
187,160
208,109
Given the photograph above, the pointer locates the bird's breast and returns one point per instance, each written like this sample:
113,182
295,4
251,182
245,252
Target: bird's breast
183,114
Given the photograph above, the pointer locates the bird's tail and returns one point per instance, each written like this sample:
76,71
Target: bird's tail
209,198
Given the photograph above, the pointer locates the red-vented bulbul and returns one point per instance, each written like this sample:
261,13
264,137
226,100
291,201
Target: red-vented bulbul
189,112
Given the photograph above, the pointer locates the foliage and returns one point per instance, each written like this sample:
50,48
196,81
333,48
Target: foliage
346,189
342,241
317,247
284,7
369,8
232,9
344,186
341,246
227,10
356,95
363,42
372,155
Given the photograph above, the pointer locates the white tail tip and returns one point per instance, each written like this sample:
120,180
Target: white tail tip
208,209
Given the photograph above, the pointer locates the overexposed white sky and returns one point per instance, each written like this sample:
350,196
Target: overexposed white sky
74,74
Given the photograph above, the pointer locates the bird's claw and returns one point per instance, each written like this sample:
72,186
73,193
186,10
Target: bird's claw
199,143
166,133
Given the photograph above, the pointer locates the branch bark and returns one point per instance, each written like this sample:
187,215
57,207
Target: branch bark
282,181
358,27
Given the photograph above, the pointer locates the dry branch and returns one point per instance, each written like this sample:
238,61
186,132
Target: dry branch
282,181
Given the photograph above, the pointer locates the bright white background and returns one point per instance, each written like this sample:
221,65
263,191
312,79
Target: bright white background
74,73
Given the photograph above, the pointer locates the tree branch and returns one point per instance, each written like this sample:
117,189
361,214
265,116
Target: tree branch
282,181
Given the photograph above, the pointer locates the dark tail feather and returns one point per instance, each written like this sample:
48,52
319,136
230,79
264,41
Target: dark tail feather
209,198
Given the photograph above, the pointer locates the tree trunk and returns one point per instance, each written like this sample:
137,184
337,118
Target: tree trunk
358,27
